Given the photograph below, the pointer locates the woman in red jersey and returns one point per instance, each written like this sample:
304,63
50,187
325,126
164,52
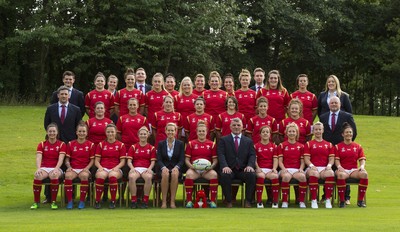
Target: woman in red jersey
109,159
295,113
99,94
309,100
215,97
129,124
277,95
155,97
266,166
229,84
49,158
184,101
97,124
223,121
169,84
141,160
79,160
201,148
319,156
190,122
262,119
163,117
291,163
246,97
122,97
346,157
199,83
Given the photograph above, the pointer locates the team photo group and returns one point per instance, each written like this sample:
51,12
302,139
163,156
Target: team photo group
257,134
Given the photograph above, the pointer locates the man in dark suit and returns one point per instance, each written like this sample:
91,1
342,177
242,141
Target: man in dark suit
64,114
76,96
333,121
236,156
259,77
140,78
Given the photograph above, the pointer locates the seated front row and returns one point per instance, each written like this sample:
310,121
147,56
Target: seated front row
236,156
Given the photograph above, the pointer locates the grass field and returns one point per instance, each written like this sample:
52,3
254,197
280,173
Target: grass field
22,129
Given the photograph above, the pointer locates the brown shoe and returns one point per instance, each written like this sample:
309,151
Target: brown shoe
229,205
247,204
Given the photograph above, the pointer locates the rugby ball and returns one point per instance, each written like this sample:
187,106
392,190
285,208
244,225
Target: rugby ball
201,164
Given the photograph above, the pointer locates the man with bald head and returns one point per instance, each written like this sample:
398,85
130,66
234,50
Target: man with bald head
333,121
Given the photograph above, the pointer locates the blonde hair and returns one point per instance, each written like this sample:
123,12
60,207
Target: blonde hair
337,82
296,101
161,77
186,79
215,74
244,72
294,125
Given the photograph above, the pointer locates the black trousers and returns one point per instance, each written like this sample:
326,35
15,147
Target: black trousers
226,183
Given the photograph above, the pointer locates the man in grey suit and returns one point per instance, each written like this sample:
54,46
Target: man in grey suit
237,157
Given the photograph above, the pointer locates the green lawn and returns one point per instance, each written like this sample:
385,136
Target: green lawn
22,129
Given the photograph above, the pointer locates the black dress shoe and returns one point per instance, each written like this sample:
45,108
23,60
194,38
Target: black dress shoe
342,204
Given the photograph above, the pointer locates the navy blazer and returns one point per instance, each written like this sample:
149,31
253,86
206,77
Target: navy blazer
228,157
67,130
178,156
323,105
76,98
147,87
335,136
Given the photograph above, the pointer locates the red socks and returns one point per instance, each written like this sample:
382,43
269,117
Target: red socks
285,191
189,189
68,189
213,189
313,183
146,199
275,190
37,188
362,188
302,191
329,182
84,189
99,188
113,187
259,189
341,185
54,189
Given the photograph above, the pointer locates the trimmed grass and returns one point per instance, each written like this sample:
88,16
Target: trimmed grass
22,129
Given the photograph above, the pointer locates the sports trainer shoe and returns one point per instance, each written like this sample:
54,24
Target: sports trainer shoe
97,205
144,205
81,205
314,204
302,205
328,204
347,202
275,205
212,204
260,205
189,204
54,205
35,205
112,205
361,204
133,205
285,205
70,205
342,204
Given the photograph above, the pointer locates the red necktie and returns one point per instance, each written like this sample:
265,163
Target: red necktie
236,143
333,122
62,113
